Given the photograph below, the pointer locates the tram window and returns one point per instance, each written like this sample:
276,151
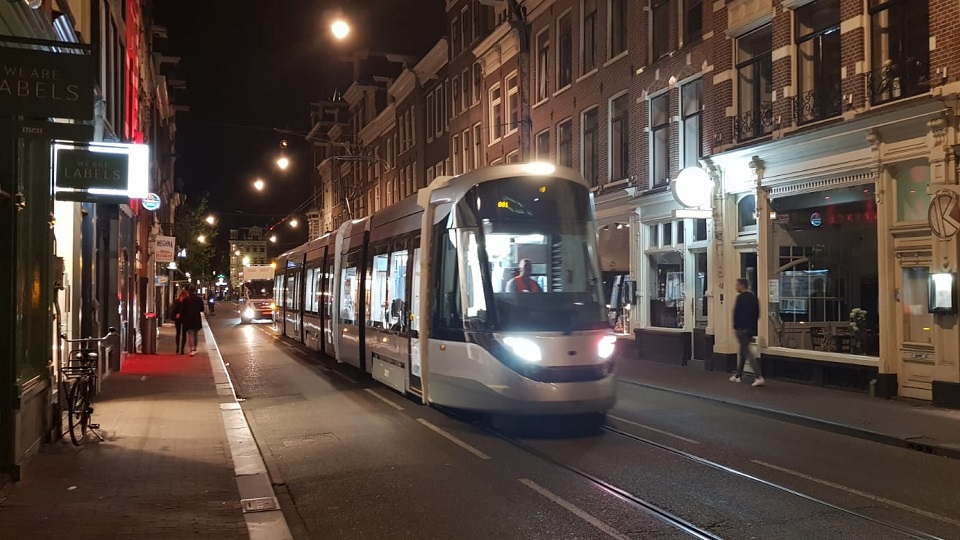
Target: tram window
415,293
317,289
348,294
396,310
308,305
378,292
328,298
448,304
474,299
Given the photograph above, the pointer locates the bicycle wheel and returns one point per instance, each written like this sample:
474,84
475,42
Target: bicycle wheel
79,409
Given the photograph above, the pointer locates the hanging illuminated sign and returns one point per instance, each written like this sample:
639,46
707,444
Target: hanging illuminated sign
101,172
692,188
151,202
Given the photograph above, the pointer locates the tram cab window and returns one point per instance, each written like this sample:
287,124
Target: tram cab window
378,292
348,295
396,312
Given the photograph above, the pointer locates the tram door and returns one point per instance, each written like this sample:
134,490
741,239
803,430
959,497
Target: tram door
415,383
292,305
326,303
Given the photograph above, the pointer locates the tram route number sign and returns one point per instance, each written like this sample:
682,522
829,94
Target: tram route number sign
944,214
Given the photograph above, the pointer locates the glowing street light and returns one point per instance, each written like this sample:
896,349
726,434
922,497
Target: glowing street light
246,261
237,253
202,239
211,219
259,184
283,163
340,29
273,238
294,223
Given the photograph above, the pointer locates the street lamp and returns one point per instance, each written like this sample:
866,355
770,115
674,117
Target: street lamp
340,29
259,184
237,253
202,238
273,238
211,219
294,223
283,163
246,261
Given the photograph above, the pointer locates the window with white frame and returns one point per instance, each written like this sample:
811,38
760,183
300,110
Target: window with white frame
660,135
588,44
455,37
754,84
513,102
542,148
438,120
666,274
691,118
465,150
477,83
660,28
565,143
496,113
564,51
466,88
692,21
456,95
590,124
430,174
477,146
513,157
431,112
543,60
376,197
455,143
619,137
618,27
465,28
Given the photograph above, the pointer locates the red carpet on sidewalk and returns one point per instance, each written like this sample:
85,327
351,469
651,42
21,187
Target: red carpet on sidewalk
155,365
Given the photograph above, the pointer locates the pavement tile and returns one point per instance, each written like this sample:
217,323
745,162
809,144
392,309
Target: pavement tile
162,471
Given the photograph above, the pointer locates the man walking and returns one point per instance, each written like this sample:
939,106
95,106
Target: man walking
746,313
192,322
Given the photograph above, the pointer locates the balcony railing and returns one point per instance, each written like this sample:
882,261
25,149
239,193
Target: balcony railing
819,104
898,80
754,123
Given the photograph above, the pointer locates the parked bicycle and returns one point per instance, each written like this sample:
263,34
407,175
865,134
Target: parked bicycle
78,383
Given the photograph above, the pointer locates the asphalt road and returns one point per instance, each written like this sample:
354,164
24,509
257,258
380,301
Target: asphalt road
350,458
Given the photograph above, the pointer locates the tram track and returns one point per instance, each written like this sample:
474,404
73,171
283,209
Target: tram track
678,522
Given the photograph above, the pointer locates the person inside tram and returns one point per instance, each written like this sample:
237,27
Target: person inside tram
524,283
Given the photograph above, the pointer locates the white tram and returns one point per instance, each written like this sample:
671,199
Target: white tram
419,295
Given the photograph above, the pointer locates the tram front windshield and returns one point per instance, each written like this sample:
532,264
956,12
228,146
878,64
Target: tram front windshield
538,240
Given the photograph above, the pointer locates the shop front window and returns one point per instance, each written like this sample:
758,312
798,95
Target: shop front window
824,283
917,321
701,311
912,197
666,301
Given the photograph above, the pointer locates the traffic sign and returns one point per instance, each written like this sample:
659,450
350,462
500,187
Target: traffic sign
944,214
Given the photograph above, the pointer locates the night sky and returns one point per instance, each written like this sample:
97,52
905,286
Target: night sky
252,67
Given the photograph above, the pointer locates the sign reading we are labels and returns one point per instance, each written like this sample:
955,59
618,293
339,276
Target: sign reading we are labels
101,172
46,84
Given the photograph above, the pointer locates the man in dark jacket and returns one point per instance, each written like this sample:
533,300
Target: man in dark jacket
746,313
190,316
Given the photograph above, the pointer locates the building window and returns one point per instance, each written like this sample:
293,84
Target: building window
543,146
455,144
619,137
590,123
826,268
466,87
900,49
477,83
496,113
543,59
513,102
457,103
692,21
465,155
660,28
588,54
754,84
477,146
818,60
660,129
618,27
513,157
565,143
465,27
564,52
454,37
430,113
691,117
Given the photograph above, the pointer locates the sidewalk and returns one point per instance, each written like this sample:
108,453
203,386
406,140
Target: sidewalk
165,469
905,423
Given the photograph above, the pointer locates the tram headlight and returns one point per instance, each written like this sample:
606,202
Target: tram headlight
524,348
248,313
606,346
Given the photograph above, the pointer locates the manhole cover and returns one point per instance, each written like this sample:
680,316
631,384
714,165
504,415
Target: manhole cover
299,442
260,504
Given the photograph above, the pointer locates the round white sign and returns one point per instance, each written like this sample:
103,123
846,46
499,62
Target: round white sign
151,201
693,187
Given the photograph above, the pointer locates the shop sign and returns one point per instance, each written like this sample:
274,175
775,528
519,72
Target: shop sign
161,280
943,215
165,248
46,84
100,172
692,188
816,219
151,202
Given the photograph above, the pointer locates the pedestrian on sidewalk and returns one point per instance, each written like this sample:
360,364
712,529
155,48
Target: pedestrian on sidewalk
192,322
746,313
176,311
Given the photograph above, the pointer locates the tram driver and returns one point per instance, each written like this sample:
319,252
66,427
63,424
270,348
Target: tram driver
524,283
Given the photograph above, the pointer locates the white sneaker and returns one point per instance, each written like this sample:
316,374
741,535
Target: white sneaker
734,378
758,382
194,353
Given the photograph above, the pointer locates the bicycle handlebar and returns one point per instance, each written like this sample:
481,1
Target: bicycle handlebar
110,333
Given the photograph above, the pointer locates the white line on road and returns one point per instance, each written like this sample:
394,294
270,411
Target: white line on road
613,533
383,399
345,376
863,494
655,430
454,439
